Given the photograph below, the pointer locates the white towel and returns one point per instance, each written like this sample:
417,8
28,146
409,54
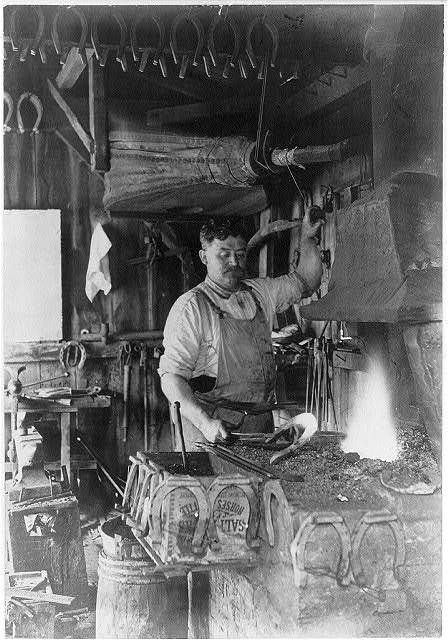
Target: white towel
98,274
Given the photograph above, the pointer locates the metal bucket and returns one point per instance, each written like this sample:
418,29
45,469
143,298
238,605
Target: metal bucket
119,541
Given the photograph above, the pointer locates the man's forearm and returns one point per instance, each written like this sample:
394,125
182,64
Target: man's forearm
177,389
310,263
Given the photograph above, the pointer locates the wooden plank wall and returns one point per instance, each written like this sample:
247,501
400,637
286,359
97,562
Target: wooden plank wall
47,175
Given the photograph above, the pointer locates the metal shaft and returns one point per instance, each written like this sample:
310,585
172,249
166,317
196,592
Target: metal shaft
180,433
104,469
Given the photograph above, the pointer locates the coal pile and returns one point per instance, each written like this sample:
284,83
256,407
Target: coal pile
332,477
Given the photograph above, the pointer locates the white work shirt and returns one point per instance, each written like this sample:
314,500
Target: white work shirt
191,342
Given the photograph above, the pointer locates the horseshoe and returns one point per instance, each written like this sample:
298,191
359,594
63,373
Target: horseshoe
36,43
274,488
273,32
243,484
121,54
97,46
72,353
146,51
298,546
62,51
367,520
173,42
231,58
162,491
7,98
37,104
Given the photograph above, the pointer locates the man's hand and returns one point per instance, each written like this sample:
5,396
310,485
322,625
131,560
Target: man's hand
214,430
310,264
309,230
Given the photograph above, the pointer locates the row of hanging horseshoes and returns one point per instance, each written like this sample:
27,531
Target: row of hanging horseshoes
204,51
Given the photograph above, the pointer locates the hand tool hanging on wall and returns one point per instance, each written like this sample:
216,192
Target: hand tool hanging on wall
125,355
144,374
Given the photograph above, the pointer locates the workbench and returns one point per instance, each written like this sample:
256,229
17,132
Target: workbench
66,414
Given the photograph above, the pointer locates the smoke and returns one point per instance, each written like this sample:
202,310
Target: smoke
371,430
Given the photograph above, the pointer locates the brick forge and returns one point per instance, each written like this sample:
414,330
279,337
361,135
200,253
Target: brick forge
356,572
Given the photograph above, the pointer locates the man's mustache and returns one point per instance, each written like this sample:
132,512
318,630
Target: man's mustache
234,270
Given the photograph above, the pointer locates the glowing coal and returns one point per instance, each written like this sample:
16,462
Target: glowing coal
371,431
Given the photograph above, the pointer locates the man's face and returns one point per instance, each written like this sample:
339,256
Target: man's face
225,261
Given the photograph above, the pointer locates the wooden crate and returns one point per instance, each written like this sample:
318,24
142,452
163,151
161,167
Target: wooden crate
45,535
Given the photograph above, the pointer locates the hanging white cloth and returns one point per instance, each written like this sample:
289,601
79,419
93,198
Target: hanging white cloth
98,273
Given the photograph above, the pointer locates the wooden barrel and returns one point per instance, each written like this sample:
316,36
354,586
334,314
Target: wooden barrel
135,601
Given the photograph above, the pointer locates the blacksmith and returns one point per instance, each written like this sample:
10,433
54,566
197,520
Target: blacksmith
218,360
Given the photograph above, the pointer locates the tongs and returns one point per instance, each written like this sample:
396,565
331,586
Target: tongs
300,429
261,440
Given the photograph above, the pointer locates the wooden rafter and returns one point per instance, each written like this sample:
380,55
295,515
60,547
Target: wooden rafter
71,117
316,96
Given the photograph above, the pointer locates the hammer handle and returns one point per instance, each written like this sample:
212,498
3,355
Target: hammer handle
126,390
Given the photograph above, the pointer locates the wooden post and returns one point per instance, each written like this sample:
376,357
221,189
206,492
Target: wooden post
198,604
97,117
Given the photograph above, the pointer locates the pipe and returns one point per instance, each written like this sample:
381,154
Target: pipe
311,155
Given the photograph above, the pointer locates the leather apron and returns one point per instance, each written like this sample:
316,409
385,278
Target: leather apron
244,389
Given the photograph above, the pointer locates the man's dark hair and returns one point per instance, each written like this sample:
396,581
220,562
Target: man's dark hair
220,229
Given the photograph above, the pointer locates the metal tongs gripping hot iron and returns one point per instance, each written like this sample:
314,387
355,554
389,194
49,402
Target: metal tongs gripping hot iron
297,431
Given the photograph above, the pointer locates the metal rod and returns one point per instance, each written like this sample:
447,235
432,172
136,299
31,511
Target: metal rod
31,384
241,459
180,433
228,457
104,469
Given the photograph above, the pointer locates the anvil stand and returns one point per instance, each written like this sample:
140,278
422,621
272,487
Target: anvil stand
29,478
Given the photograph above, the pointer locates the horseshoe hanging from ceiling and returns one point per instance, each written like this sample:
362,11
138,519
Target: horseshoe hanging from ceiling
231,58
61,50
16,41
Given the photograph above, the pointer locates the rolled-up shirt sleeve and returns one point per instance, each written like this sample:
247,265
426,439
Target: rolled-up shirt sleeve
181,338
283,291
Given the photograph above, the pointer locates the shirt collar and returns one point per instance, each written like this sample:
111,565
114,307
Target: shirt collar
220,291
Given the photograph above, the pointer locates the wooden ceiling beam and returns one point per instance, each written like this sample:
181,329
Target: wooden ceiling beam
200,110
71,117
98,117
